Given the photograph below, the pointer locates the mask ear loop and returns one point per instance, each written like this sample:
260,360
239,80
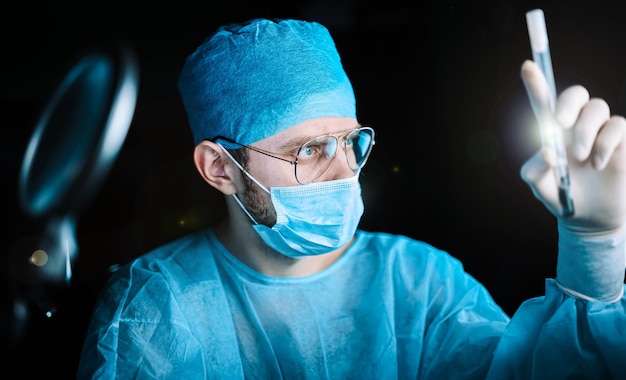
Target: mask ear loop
249,176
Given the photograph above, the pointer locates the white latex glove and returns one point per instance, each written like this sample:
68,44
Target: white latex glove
593,238
595,143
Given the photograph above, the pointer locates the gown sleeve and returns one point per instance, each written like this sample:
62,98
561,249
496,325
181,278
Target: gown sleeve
122,341
578,329
150,322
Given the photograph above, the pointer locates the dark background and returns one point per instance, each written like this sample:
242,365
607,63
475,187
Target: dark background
439,81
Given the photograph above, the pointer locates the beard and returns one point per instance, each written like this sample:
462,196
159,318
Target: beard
258,202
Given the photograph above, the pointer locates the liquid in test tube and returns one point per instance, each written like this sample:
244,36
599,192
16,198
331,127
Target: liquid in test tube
551,133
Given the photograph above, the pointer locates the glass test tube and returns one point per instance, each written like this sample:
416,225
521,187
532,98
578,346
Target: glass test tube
551,133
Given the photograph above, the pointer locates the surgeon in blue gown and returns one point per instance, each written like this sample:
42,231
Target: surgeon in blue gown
288,286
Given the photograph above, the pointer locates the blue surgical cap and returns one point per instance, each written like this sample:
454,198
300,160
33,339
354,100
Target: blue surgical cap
252,80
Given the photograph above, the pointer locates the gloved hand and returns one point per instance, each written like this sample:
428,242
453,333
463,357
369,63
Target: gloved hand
592,241
595,143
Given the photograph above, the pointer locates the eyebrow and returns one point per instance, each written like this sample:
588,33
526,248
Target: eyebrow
295,143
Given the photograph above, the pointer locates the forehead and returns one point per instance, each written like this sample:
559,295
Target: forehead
300,133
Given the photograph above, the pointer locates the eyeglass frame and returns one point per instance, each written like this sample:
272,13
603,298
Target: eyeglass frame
348,132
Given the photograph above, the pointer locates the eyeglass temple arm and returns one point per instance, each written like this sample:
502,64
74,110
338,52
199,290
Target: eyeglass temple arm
215,140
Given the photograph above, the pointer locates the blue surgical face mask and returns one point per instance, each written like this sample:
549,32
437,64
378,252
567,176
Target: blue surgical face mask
311,219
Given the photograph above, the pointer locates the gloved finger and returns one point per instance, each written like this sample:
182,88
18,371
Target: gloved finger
537,173
585,130
610,138
570,103
537,88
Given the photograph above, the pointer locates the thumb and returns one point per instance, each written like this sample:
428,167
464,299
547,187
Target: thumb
537,173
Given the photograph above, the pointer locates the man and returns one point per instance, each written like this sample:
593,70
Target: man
288,287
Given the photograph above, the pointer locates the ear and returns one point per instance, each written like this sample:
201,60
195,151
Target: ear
215,167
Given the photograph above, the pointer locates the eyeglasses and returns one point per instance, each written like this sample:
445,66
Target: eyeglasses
315,157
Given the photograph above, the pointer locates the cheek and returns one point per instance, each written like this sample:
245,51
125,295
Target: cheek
258,203
272,172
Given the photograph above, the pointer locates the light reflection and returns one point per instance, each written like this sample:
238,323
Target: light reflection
39,258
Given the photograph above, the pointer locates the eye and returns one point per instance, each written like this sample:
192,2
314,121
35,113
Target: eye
309,151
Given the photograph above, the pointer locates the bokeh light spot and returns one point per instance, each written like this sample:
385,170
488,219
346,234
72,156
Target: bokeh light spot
39,257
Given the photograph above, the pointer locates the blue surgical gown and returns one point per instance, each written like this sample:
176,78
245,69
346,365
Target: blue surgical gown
390,308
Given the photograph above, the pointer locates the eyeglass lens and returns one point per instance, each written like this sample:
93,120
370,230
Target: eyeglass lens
316,156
